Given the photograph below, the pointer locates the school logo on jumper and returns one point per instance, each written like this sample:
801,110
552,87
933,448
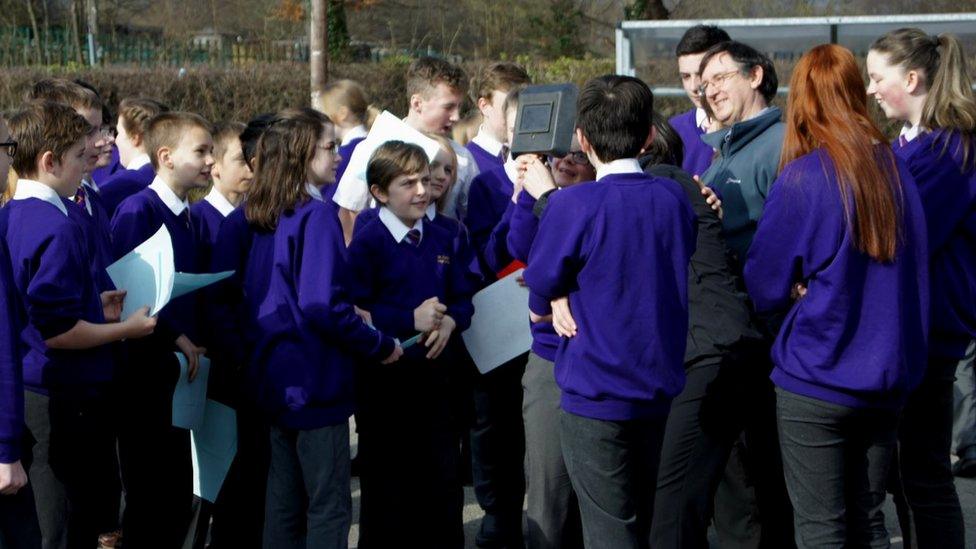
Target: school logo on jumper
443,260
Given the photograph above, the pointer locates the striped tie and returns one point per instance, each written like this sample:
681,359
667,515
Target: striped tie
413,237
80,197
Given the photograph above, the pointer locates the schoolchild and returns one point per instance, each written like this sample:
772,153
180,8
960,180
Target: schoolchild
552,508
131,127
349,109
923,81
18,517
594,240
841,247
435,91
68,367
305,335
407,275
154,455
694,123
488,91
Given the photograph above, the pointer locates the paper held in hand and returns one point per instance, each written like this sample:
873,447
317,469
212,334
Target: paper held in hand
499,328
149,277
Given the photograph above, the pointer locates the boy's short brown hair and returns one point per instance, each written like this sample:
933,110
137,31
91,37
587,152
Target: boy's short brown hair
502,76
426,73
136,112
167,129
224,134
59,90
43,126
393,159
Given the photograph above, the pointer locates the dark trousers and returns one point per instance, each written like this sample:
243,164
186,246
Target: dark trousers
411,493
238,514
613,466
837,461
925,491
74,434
154,456
553,512
498,451
309,505
18,516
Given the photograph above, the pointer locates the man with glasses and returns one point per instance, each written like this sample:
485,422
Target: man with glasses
738,84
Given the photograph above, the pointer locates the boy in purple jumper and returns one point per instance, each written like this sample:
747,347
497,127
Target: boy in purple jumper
68,366
615,252
489,90
154,455
138,173
694,123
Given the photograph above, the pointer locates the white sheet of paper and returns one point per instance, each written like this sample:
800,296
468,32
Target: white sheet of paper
499,328
190,398
386,127
184,283
146,274
213,447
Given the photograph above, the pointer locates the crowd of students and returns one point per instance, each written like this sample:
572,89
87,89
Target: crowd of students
743,317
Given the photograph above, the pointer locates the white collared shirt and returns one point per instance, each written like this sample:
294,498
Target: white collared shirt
431,211
511,169
313,191
219,202
700,117
910,132
90,183
398,228
618,167
28,188
354,133
487,142
138,162
169,198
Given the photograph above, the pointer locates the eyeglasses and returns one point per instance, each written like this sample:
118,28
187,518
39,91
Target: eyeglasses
109,131
717,81
576,157
10,147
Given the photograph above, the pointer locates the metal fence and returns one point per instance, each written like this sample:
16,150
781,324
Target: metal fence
646,48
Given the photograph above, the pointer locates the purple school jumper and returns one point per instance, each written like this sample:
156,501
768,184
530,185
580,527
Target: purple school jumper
306,331
523,226
53,277
11,370
619,248
123,184
858,337
484,159
948,194
698,155
488,198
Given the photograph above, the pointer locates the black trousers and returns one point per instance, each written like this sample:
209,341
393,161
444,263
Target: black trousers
613,466
925,492
411,493
18,516
154,456
73,429
498,449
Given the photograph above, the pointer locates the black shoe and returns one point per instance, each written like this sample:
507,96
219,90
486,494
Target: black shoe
495,533
965,468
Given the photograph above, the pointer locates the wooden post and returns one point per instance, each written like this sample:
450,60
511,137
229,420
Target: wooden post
318,41
91,12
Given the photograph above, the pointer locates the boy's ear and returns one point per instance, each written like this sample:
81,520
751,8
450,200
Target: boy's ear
164,157
416,100
215,171
46,163
136,140
650,139
483,103
378,193
583,141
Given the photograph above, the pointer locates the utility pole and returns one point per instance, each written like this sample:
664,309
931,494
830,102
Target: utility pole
318,43
91,11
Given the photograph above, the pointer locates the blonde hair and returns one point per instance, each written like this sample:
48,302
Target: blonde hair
167,129
136,112
445,144
349,94
465,130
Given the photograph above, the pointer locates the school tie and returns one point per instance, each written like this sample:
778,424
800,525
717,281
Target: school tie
80,197
902,140
185,217
413,237
503,154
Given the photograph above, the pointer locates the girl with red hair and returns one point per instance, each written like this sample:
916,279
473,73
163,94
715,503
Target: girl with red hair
841,250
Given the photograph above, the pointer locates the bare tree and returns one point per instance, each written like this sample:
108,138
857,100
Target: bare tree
319,51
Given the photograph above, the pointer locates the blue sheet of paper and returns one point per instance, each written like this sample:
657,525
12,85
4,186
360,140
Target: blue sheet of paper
213,447
146,274
190,398
499,329
411,342
184,283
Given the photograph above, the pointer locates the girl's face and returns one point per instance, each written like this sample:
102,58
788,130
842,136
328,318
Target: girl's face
573,168
442,174
407,196
322,168
889,85
129,147
6,159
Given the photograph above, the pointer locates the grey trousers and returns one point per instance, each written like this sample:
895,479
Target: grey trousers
964,414
553,512
51,497
309,503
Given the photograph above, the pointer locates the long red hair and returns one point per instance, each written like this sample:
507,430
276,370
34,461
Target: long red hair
827,108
